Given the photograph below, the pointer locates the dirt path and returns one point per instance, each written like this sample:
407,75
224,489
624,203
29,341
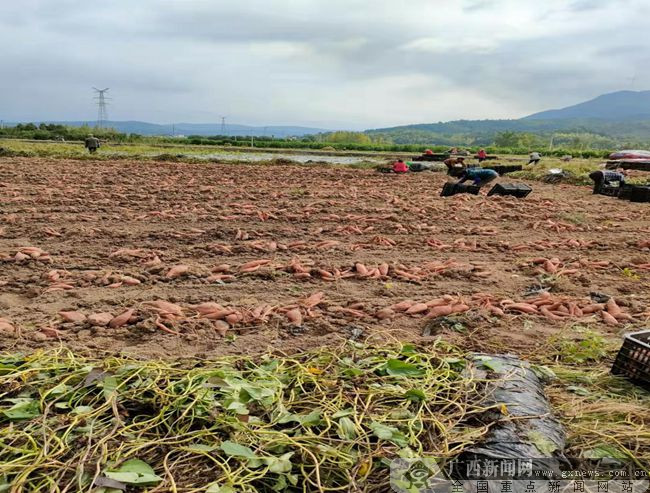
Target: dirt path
112,236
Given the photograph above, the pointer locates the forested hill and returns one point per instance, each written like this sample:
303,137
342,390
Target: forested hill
622,116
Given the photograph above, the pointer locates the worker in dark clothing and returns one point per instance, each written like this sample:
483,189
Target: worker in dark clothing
479,176
91,143
606,178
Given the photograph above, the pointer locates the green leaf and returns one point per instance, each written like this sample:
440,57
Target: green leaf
4,484
201,447
311,419
82,410
389,433
408,349
342,413
233,449
216,488
24,408
578,390
604,451
279,465
491,364
544,373
59,389
135,471
543,444
397,367
347,429
110,386
280,484
415,395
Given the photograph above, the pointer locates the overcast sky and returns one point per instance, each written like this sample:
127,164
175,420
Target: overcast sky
325,63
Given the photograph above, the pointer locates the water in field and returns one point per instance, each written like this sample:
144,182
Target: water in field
268,156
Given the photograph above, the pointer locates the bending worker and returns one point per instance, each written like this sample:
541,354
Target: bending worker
400,166
606,178
479,176
535,157
454,162
91,143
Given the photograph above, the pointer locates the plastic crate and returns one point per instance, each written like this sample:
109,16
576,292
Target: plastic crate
518,190
640,194
633,359
503,170
609,191
626,192
450,189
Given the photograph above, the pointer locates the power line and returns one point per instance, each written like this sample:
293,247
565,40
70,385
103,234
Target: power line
102,114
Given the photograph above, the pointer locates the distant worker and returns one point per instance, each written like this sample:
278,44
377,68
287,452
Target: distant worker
534,158
454,162
428,152
481,155
479,176
400,166
453,150
91,143
606,178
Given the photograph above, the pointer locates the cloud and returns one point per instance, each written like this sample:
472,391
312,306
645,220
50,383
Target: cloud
344,63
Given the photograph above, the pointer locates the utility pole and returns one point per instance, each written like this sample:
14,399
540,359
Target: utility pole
223,125
102,114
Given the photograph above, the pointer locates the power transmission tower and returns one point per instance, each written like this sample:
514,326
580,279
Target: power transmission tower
223,125
102,114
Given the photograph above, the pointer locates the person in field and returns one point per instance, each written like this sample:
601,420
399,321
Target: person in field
606,178
400,166
534,157
91,143
479,176
481,155
428,152
454,162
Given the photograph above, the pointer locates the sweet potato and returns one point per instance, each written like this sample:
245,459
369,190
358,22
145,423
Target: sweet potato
417,308
439,311
207,307
521,307
121,319
385,313
596,307
100,319
74,317
402,306
177,271
608,318
459,308
294,316
165,307
612,308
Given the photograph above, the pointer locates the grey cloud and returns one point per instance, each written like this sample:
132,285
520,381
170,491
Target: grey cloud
272,61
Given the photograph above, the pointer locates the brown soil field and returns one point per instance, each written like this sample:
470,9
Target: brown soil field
252,258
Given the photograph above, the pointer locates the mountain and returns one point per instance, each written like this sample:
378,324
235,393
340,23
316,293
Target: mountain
621,105
610,119
205,129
